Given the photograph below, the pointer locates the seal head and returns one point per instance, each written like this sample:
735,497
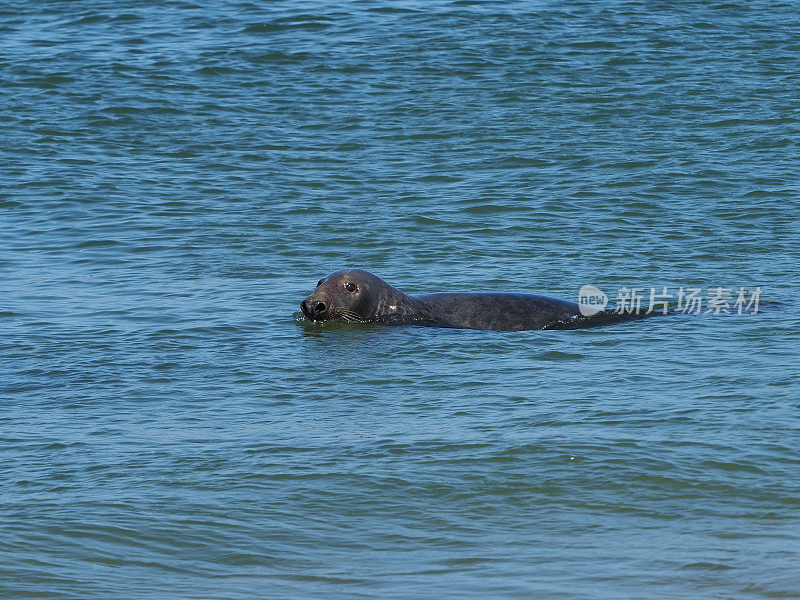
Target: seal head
358,297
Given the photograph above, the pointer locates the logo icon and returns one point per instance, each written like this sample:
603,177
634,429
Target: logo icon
591,300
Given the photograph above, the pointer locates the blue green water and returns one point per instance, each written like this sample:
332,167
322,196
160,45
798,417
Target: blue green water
177,176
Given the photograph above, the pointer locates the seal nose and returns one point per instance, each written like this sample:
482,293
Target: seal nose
312,308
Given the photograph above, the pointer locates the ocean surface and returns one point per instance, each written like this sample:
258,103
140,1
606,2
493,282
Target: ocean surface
175,177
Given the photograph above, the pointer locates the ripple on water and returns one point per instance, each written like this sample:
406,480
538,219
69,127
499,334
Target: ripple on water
177,178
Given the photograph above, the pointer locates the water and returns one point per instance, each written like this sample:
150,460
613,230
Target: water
175,179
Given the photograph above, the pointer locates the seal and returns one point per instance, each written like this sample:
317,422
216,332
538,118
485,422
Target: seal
360,297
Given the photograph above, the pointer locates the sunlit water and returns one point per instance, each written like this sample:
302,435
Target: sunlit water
175,179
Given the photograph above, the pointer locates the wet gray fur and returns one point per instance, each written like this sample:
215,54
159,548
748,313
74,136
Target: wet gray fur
359,296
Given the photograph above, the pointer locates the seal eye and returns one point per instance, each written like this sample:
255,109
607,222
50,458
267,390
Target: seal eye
319,283
350,287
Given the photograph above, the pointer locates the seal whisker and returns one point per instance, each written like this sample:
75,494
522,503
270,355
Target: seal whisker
350,316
